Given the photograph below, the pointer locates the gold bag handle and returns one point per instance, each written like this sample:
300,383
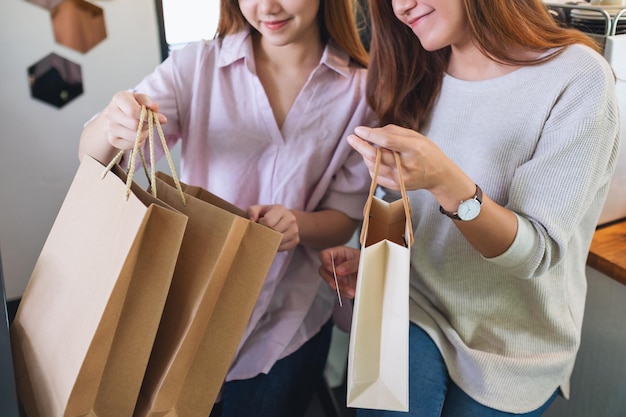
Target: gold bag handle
152,121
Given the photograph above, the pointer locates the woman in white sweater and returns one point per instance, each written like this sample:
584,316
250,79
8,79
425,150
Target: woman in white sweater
507,127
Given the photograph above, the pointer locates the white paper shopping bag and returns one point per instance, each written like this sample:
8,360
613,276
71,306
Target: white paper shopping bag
378,360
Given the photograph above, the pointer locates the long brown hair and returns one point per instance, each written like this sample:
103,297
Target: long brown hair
404,79
336,18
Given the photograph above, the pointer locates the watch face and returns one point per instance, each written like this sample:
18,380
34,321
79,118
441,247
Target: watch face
469,209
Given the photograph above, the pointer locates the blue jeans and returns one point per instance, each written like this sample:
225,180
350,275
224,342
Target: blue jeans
431,391
286,390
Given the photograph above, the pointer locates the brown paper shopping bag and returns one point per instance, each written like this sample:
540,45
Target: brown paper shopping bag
222,265
378,350
85,326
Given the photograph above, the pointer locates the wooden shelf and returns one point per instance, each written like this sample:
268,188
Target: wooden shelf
608,251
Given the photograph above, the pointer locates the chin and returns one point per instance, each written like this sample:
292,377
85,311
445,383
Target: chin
431,43
431,46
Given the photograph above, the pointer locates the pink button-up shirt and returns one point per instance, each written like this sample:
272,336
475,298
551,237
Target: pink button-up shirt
232,146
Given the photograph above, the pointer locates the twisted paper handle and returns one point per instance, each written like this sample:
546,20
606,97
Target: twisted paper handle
152,120
405,199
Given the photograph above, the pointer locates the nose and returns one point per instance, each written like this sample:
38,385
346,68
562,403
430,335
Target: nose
402,7
268,7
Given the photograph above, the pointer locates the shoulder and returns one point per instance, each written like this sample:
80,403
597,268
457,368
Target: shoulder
580,61
339,60
583,86
576,73
222,51
194,52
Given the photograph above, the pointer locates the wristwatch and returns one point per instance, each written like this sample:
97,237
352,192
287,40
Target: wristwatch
468,209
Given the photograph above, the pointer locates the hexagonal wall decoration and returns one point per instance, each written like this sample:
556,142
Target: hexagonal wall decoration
46,4
55,80
78,24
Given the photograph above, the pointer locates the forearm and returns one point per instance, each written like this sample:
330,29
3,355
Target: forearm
93,142
325,228
493,231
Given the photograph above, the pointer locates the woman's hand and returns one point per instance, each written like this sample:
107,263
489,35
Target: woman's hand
115,127
346,266
424,164
120,118
279,218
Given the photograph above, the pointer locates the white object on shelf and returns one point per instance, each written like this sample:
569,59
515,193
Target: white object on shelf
615,206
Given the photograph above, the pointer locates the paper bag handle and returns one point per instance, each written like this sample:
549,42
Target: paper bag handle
405,199
152,120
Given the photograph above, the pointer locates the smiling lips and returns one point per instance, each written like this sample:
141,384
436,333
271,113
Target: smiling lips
275,25
416,20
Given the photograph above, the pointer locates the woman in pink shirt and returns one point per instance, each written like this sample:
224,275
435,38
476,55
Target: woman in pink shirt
262,112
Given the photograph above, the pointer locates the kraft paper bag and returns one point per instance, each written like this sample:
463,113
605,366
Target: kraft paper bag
223,262
85,326
378,355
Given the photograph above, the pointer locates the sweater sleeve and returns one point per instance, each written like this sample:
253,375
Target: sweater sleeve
561,189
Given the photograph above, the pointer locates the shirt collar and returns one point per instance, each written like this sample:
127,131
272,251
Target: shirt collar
239,46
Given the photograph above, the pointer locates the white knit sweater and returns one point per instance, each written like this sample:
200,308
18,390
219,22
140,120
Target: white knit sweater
541,141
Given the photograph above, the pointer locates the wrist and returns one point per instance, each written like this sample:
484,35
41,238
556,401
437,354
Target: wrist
450,194
467,209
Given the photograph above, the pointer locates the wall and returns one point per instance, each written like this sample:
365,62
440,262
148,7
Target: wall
38,158
38,148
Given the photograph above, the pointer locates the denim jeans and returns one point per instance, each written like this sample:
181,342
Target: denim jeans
431,391
286,390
